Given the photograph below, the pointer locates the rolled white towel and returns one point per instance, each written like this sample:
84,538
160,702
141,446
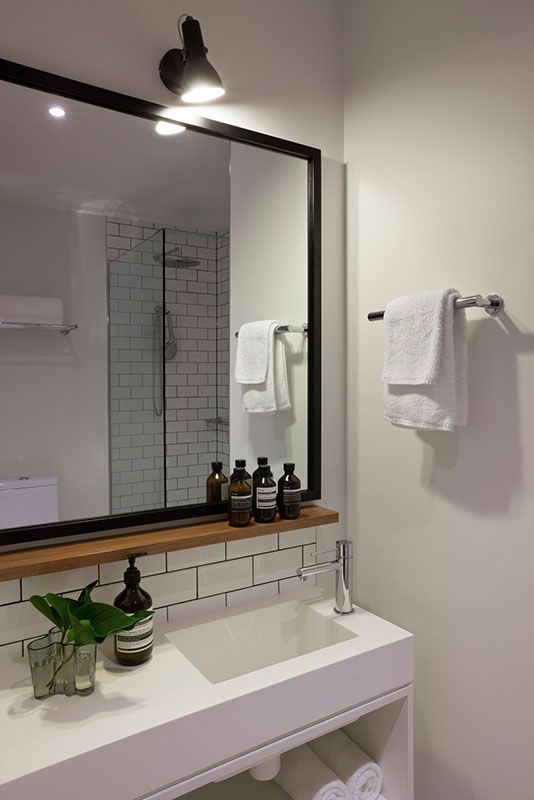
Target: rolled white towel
362,777
37,310
304,776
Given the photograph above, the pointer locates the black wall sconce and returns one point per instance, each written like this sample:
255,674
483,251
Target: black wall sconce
187,71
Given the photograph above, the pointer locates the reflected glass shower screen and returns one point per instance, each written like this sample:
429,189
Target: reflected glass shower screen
137,377
169,368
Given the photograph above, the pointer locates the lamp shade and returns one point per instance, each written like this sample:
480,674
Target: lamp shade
188,72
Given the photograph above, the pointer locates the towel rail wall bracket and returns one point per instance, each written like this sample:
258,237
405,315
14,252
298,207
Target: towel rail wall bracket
492,305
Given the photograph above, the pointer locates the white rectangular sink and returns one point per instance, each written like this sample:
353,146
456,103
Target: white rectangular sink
244,642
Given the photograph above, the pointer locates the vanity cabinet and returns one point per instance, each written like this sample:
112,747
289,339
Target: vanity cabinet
383,728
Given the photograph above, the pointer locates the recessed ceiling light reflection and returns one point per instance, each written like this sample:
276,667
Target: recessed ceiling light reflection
56,111
168,128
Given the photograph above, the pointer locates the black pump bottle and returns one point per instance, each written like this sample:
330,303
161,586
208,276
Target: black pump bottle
135,646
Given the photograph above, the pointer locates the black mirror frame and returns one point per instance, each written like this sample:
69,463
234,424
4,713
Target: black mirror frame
29,77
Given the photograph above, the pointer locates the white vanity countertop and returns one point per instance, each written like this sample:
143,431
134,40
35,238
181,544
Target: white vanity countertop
154,725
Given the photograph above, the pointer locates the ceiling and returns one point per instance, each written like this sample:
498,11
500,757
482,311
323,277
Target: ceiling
103,162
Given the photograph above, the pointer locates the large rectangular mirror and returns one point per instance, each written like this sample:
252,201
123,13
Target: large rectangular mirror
131,255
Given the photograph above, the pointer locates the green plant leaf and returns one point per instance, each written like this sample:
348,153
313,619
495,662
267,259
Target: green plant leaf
63,606
41,605
81,631
85,594
106,619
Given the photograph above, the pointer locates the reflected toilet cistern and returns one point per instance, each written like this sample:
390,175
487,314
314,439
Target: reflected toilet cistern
342,566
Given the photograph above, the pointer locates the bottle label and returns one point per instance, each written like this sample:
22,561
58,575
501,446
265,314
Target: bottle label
291,496
140,637
266,497
241,502
224,492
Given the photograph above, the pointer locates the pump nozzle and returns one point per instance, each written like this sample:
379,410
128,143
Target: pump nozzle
133,556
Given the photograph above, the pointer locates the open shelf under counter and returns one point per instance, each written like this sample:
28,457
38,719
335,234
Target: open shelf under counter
105,549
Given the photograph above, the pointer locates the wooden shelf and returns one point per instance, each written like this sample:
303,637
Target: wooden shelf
87,553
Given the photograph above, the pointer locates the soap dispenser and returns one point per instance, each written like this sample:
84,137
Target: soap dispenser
134,647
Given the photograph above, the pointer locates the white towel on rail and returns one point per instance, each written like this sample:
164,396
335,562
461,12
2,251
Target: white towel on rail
362,777
252,355
304,776
36,310
425,362
261,368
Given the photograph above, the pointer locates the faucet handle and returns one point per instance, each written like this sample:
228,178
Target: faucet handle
341,544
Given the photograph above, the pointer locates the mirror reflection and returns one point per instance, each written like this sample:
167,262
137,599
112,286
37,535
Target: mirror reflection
130,259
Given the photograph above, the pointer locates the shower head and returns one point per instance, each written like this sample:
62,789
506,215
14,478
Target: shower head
173,258
181,262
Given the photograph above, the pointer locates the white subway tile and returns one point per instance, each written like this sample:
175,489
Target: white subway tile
147,565
9,592
105,594
294,584
57,582
250,547
10,652
195,556
297,538
217,578
21,621
171,587
309,554
160,616
252,594
196,608
273,566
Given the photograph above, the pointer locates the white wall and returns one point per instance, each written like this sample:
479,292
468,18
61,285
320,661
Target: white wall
269,278
439,145
53,388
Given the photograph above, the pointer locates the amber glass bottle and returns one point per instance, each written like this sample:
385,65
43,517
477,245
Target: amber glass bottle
262,461
217,484
289,493
265,496
242,464
239,498
135,646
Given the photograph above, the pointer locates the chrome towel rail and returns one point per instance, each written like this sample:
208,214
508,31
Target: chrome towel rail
289,329
491,304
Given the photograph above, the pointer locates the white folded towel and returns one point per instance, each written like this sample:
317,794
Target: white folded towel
261,368
252,356
425,362
37,310
362,777
305,777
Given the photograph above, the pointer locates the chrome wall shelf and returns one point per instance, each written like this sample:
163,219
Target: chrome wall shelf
37,326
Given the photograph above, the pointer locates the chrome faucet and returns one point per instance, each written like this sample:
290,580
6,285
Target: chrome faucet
342,566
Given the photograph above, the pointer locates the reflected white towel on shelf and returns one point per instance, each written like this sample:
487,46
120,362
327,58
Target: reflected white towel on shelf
36,310
425,362
304,776
362,777
271,394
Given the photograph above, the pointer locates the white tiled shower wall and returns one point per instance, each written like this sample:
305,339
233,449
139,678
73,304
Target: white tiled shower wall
196,378
182,584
